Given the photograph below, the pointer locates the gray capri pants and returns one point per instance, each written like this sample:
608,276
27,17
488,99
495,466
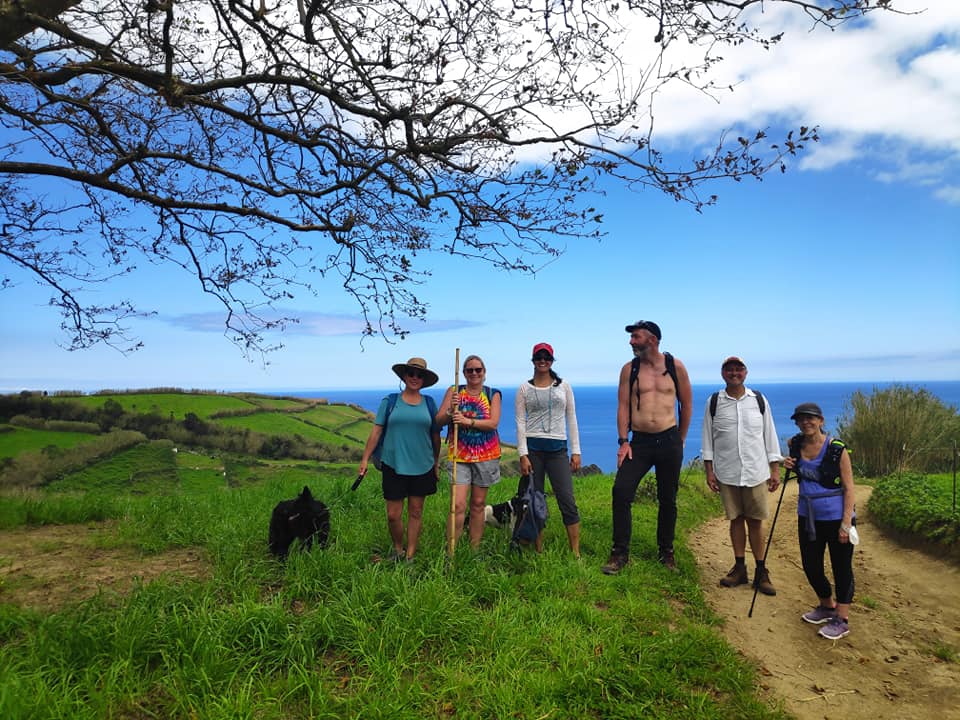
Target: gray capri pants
556,466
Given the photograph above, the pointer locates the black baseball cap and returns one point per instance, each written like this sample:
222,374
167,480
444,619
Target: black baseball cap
647,325
807,409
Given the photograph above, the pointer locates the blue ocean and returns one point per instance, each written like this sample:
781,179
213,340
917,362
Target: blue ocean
597,410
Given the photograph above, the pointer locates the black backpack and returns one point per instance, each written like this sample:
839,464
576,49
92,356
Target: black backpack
529,512
761,403
830,465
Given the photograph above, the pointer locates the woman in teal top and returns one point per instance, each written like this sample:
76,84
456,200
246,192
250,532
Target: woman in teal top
410,453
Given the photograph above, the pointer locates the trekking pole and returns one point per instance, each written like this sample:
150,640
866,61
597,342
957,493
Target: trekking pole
452,520
766,550
689,468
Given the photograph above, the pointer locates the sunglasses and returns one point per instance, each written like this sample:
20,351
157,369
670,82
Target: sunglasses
415,374
472,371
542,356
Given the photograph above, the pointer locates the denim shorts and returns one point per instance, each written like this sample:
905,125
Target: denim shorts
481,474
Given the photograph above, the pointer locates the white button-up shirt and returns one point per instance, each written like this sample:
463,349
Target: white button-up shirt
740,440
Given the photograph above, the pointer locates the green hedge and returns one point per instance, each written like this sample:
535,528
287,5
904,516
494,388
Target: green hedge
919,507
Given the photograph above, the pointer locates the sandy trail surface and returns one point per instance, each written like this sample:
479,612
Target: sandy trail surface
907,606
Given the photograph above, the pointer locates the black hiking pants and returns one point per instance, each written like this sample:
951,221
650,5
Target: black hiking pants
664,451
841,559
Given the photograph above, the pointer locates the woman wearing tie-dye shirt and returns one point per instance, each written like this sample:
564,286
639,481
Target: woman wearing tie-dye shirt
476,414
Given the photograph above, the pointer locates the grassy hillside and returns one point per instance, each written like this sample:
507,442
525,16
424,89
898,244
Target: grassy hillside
338,632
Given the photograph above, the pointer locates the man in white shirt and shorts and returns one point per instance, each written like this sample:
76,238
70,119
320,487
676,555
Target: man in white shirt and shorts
741,456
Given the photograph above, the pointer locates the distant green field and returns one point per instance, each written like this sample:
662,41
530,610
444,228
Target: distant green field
331,416
151,466
19,440
267,402
285,424
166,403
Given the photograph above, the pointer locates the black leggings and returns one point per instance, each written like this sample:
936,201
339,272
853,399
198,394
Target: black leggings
841,559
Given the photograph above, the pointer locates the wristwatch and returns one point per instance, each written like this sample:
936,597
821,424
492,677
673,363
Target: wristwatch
622,440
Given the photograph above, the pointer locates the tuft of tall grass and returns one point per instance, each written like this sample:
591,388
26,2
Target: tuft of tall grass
899,428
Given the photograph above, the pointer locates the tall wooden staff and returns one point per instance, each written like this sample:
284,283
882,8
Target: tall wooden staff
454,402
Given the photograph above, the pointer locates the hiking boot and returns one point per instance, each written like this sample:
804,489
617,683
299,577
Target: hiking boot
819,615
761,582
614,564
736,576
835,629
667,560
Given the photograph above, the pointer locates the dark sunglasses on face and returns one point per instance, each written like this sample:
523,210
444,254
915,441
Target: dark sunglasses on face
472,371
415,374
542,356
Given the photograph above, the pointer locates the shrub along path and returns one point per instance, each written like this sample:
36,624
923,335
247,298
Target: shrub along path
906,612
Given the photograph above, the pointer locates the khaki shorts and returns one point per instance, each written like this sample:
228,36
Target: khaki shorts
481,474
748,502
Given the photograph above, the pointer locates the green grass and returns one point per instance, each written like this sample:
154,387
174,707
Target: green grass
331,634
288,424
919,507
16,440
166,404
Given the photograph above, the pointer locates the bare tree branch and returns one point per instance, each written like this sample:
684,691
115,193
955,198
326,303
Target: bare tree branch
264,146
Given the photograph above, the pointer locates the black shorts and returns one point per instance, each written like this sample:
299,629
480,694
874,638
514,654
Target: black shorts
398,487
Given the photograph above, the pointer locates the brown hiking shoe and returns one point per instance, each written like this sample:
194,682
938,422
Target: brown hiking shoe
614,564
761,582
667,560
736,576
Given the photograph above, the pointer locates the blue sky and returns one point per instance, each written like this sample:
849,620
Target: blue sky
847,267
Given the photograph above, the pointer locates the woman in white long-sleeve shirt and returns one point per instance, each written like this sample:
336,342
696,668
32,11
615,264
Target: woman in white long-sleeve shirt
546,420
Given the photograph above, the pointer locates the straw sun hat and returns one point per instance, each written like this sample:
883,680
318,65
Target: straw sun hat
415,363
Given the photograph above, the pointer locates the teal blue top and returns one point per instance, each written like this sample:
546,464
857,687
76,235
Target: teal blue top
408,444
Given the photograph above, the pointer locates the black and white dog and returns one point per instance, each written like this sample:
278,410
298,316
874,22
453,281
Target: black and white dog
303,519
498,516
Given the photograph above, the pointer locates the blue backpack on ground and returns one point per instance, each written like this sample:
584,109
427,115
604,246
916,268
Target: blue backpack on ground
391,404
529,511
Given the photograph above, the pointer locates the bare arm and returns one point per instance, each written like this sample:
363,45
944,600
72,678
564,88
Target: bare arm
685,397
623,414
445,411
846,481
372,441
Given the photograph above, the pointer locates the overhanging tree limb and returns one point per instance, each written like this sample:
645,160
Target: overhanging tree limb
261,146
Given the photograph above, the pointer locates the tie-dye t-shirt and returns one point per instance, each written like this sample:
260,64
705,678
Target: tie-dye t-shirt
475,445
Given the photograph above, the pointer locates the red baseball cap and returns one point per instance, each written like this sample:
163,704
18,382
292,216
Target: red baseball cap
545,347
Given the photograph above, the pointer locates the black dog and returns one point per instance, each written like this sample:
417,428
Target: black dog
497,516
302,518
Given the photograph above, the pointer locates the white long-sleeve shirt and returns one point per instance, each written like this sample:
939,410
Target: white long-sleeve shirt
740,440
548,412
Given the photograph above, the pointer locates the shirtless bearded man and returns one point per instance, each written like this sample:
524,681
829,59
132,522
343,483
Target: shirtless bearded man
649,435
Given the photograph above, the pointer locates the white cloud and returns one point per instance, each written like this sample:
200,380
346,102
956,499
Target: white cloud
883,90
949,194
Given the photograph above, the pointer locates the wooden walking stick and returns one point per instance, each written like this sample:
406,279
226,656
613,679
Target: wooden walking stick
452,520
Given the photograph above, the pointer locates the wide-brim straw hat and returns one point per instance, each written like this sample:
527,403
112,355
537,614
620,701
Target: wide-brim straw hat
429,376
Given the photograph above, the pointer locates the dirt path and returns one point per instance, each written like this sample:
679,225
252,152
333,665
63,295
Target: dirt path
49,566
907,603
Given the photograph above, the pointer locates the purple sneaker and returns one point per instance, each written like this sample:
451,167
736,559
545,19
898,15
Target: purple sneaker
819,615
835,629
